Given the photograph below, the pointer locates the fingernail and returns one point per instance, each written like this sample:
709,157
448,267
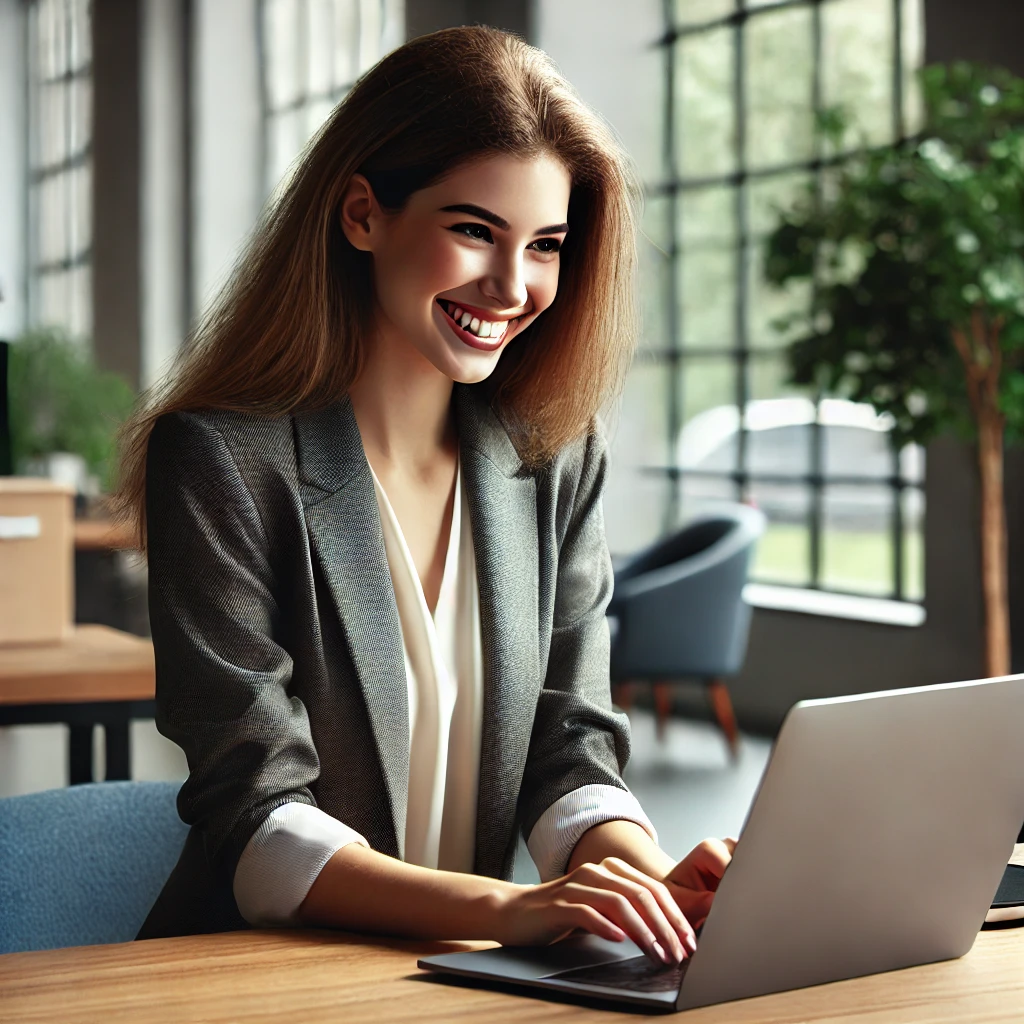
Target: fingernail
656,946
691,941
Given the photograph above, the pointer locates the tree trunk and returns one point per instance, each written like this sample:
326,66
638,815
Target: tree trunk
993,545
981,353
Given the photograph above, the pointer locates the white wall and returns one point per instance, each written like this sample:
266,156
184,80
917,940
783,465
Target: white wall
606,49
164,183
226,124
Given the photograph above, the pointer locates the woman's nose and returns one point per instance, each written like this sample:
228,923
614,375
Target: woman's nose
506,284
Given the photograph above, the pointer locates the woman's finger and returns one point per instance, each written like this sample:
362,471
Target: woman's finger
676,918
591,920
713,860
637,888
619,909
703,867
694,903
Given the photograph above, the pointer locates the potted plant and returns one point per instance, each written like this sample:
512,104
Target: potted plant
60,403
916,251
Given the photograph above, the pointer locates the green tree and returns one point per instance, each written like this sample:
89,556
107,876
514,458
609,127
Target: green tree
916,253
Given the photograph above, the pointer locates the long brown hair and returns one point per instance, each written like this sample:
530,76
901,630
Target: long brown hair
289,329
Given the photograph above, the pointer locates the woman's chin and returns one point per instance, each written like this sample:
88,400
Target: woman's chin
474,374
468,366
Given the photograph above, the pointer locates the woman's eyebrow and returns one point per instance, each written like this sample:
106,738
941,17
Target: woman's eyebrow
499,222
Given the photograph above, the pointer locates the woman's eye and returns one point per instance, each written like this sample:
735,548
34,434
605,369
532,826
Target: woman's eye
478,231
546,245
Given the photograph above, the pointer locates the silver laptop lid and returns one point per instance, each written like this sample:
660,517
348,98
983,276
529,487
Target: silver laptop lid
876,840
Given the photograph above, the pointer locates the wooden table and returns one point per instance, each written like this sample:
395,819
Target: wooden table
99,676
313,976
102,535
323,976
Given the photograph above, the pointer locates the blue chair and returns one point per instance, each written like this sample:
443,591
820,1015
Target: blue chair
678,612
83,865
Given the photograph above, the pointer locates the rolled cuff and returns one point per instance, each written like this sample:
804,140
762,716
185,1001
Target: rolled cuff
561,826
281,862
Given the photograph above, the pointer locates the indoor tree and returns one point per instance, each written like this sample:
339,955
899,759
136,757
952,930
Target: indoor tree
915,252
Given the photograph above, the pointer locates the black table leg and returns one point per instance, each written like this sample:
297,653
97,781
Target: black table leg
80,754
81,719
119,754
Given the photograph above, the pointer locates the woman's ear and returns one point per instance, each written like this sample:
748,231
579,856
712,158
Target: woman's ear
360,213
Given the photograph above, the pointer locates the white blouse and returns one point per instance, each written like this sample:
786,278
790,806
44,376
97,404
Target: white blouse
444,675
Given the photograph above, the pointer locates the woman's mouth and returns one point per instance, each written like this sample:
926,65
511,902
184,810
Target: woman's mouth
473,330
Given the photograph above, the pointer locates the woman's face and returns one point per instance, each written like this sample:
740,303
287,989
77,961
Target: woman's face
469,262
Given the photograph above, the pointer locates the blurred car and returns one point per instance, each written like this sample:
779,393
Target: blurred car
855,444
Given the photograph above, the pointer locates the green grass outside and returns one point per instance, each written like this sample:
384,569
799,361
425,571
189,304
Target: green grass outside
857,561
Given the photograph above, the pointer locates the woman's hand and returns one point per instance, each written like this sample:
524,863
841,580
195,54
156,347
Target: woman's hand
694,880
611,899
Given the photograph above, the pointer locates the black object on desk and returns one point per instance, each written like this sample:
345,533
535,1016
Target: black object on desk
1008,905
1011,889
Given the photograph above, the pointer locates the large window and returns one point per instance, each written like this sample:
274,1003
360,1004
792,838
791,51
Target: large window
60,170
708,401
312,53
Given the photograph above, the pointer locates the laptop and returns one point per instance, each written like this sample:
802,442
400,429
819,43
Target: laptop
877,838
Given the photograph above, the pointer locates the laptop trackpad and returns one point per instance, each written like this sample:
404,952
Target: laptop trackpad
541,961
639,974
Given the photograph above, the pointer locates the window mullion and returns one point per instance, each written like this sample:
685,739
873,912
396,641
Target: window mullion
817,439
744,241
673,297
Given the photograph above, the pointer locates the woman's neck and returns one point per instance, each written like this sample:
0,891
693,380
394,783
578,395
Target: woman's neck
402,404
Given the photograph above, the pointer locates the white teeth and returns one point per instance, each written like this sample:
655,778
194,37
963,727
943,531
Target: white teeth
481,328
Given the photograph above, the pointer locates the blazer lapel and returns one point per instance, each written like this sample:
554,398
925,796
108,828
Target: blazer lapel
345,532
503,513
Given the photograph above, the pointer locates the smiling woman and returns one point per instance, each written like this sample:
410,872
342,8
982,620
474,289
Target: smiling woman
370,494
299,311
498,272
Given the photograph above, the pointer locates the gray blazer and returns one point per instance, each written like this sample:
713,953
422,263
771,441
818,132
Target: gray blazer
279,667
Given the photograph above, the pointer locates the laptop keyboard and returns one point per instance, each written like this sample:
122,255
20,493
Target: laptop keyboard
639,974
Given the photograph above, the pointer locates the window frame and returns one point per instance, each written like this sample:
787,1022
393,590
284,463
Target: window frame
742,355
305,98
38,172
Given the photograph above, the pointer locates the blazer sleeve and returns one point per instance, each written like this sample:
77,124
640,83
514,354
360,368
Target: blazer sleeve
577,739
221,678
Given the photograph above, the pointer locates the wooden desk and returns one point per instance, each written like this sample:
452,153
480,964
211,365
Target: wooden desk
99,676
101,535
329,976
312,976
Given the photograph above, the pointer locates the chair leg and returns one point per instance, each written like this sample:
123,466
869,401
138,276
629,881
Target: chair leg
662,706
721,704
622,694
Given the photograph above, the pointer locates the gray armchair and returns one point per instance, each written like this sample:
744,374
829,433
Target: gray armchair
678,612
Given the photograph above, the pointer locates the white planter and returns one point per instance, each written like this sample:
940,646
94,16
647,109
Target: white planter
65,468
